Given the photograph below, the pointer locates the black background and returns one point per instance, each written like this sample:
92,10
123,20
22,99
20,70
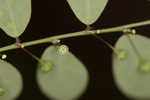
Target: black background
54,17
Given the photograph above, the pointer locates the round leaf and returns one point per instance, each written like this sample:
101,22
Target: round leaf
14,16
128,75
87,11
67,78
10,81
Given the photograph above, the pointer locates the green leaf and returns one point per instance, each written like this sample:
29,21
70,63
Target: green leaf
68,77
130,73
87,11
10,81
14,16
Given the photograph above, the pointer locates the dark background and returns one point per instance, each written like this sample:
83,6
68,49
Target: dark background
54,17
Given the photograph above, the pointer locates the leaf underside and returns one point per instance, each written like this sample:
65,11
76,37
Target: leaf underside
14,16
67,79
87,11
127,73
10,81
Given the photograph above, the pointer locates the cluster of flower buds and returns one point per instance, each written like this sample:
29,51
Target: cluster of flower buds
133,31
3,56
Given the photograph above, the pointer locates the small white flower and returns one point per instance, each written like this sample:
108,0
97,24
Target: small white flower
63,49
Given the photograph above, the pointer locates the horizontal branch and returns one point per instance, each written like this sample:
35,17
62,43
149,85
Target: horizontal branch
75,34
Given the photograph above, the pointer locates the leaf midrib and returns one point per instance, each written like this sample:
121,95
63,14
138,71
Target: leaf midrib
87,10
11,16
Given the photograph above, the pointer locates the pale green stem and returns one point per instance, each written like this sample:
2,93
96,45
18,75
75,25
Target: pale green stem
39,60
135,49
75,34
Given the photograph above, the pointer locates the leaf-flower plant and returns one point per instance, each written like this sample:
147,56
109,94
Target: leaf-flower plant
60,74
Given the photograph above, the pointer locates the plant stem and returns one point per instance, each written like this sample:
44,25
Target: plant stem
32,55
75,34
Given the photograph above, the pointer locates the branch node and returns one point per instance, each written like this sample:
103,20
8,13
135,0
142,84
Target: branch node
18,43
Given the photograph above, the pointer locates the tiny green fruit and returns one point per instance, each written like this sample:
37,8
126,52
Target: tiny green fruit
1,91
45,65
145,66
